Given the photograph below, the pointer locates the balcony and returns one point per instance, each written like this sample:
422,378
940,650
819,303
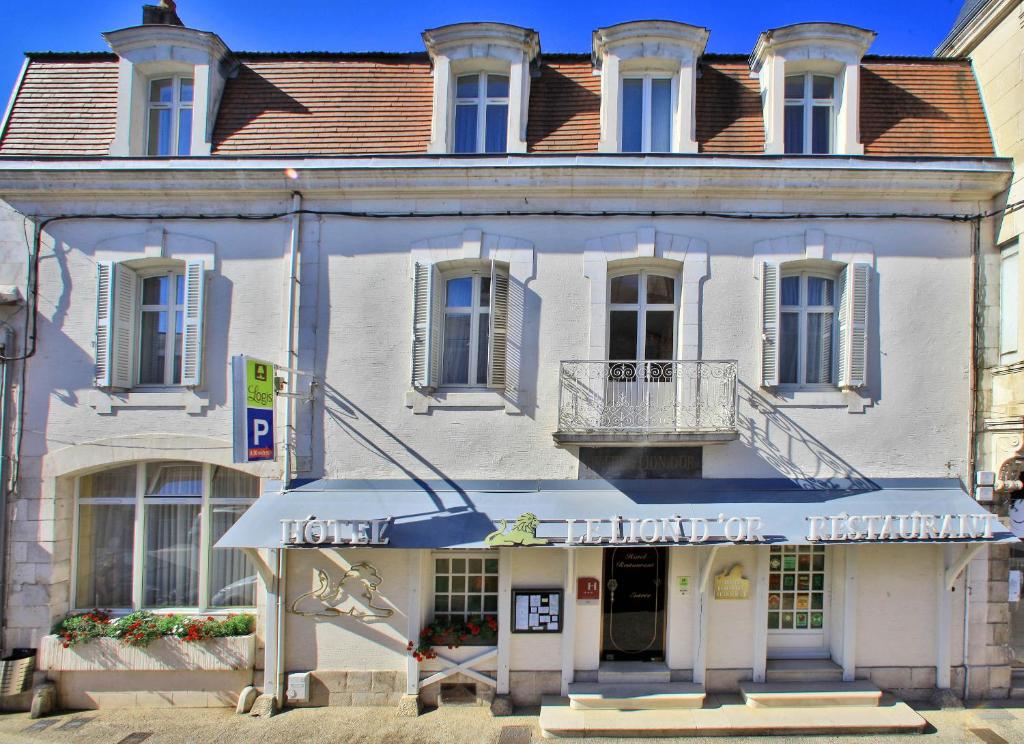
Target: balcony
646,403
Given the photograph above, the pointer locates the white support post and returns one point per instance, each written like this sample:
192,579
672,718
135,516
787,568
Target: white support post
700,653
271,636
943,621
760,665
504,620
850,614
415,620
569,621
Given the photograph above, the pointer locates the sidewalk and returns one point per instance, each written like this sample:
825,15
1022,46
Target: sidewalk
992,724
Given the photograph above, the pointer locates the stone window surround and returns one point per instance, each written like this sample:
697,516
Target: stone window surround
826,48
149,248
155,51
463,48
817,248
646,246
472,245
649,47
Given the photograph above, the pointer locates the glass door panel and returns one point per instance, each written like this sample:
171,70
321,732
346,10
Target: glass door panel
798,592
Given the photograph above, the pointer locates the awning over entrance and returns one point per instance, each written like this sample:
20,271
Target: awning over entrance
480,514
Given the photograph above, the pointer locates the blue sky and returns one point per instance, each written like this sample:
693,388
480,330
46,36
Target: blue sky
912,27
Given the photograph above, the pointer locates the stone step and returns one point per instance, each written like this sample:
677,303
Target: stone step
558,719
592,696
803,670
633,673
810,694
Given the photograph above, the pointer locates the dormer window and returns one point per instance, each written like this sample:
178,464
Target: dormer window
481,113
810,104
647,114
170,116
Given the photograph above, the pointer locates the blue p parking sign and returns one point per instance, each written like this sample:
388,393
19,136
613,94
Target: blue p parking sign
260,434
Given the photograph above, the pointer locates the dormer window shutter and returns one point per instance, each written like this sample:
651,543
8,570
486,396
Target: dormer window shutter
426,327
192,335
769,324
497,370
116,288
852,358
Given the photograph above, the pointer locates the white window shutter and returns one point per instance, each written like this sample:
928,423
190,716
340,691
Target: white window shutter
498,336
104,304
423,370
192,333
435,329
769,324
123,316
853,325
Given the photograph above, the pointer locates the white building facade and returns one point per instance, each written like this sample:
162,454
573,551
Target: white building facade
719,369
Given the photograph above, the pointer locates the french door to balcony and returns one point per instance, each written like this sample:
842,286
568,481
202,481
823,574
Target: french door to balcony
640,392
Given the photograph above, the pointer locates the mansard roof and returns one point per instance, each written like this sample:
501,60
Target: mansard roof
320,103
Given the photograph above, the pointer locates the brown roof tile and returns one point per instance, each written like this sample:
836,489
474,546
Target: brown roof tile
565,107
728,112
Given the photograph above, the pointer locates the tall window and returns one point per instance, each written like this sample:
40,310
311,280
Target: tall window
807,320
170,116
646,114
145,535
481,113
1009,300
641,316
161,324
810,102
467,316
465,587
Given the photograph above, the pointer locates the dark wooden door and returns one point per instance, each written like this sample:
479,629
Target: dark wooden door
634,604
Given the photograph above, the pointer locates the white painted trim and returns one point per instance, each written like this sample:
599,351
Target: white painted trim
504,619
701,637
414,620
943,620
811,245
760,665
568,620
14,97
850,592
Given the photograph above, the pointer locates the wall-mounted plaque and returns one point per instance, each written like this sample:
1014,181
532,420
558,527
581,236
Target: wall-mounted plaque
537,610
731,584
626,463
588,589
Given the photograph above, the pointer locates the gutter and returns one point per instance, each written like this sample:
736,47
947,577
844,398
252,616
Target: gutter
5,342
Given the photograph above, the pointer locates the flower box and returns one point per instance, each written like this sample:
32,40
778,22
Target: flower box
169,654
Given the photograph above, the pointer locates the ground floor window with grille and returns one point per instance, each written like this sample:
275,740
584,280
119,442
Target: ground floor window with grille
465,587
145,533
796,587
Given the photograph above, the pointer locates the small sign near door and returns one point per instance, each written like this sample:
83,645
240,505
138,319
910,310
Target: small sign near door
684,585
588,589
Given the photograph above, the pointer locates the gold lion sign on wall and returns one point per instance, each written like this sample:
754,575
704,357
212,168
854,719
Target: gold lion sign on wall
731,584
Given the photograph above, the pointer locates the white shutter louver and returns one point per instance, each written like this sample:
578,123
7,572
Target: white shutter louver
435,331
769,324
423,324
123,311
498,337
854,327
842,330
192,334
104,304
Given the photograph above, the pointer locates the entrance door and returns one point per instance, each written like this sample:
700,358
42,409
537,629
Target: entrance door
634,604
798,596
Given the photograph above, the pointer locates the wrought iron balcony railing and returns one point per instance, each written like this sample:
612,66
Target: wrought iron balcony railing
678,399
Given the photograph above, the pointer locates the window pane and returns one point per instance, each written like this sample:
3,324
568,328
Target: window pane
179,325
626,289
788,340
660,290
819,348
483,333
106,536
152,348
186,90
174,480
819,291
632,114
1009,282
172,555
161,91
821,135
660,336
794,86
232,576
154,290
794,129
467,86
234,484
116,483
790,290
823,86
184,131
497,127
459,292
455,364
179,290
465,128
485,291
622,334
497,86
661,115
159,132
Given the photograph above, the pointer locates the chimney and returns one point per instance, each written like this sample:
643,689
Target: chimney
164,14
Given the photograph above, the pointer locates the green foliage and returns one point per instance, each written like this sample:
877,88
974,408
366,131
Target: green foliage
143,627
453,633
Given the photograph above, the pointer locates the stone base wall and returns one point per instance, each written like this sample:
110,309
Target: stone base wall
909,683
527,688
725,680
87,690
329,687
